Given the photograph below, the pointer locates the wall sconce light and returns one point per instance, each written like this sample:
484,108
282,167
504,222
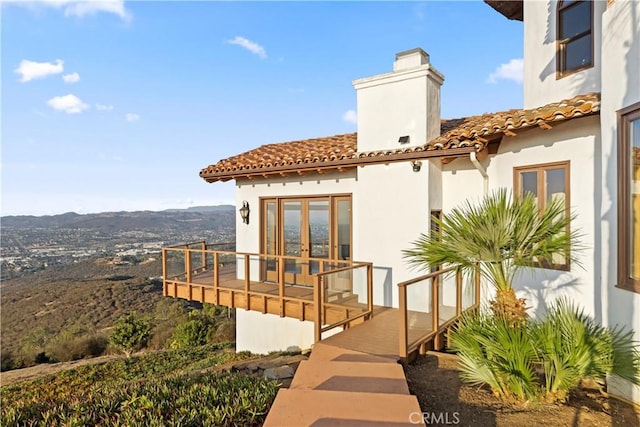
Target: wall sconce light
404,139
416,165
244,212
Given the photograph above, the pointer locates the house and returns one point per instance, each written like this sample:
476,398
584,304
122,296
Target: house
330,216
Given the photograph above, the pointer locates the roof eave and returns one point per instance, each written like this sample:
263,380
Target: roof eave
511,9
362,160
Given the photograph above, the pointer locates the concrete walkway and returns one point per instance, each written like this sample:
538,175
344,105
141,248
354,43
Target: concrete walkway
342,387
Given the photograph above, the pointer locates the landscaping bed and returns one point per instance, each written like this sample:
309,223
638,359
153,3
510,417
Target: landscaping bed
445,400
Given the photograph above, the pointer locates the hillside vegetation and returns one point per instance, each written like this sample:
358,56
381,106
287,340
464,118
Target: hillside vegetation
176,387
67,312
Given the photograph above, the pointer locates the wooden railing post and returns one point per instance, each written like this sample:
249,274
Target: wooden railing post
370,289
281,284
247,303
458,292
404,332
204,256
317,304
435,305
216,277
187,264
164,272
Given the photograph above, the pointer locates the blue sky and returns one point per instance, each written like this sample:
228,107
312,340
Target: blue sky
118,105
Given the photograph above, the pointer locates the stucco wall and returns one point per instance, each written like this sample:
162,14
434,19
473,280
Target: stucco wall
403,103
262,333
572,141
540,83
390,211
390,208
620,88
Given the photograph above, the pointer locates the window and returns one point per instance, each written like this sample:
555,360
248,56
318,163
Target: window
629,198
574,37
547,182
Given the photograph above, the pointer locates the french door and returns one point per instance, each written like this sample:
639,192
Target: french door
309,230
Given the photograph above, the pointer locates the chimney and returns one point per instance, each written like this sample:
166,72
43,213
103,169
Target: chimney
399,109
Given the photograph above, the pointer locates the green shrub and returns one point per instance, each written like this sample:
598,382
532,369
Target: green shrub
542,359
494,352
68,348
193,332
225,331
130,333
7,361
573,347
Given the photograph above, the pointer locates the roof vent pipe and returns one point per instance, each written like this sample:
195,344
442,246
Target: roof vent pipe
485,177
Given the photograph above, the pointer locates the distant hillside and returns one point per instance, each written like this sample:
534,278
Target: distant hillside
90,294
200,217
204,209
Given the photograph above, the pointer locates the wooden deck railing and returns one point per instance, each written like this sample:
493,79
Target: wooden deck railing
208,271
321,282
430,325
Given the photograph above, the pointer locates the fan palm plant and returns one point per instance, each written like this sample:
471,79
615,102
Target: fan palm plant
572,346
500,235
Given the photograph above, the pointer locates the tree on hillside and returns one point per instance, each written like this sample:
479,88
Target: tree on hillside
130,333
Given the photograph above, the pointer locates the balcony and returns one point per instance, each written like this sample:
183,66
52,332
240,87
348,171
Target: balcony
330,293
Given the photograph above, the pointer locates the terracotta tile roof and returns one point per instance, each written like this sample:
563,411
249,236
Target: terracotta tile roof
458,137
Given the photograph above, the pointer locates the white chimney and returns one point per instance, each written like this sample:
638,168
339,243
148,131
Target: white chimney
402,108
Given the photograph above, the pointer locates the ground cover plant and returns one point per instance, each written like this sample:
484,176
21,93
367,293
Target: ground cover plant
543,359
173,387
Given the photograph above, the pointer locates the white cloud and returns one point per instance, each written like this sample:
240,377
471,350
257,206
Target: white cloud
252,47
132,117
350,116
512,70
86,8
80,8
71,78
31,70
70,104
102,107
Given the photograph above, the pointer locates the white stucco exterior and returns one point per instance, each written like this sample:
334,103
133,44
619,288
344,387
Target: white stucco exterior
391,203
620,89
405,102
540,83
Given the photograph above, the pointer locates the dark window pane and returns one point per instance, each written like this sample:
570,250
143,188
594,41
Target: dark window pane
555,184
578,53
575,19
530,183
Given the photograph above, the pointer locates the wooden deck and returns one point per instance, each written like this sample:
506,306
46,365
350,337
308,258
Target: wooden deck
289,300
380,335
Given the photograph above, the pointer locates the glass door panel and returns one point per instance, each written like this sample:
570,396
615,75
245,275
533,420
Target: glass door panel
270,239
303,228
343,229
318,229
292,238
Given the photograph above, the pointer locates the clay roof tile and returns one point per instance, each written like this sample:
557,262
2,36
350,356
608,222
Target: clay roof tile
455,133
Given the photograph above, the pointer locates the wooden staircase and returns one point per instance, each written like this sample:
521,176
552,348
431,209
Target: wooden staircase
342,387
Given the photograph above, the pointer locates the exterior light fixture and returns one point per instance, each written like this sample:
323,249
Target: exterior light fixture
416,164
244,212
404,139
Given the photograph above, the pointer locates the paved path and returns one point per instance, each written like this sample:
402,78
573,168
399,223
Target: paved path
343,387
